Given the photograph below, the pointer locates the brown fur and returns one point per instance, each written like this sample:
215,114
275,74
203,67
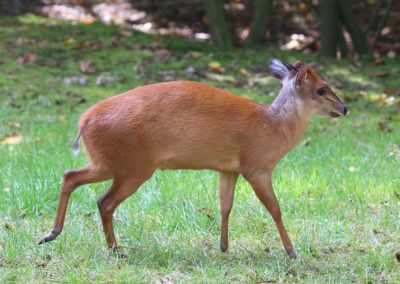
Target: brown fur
190,125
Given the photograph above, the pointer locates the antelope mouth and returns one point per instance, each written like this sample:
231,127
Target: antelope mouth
334,114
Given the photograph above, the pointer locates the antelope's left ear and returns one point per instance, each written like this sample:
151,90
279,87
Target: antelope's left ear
279,69
301,75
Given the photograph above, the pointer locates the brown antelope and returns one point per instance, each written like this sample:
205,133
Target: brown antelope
190,125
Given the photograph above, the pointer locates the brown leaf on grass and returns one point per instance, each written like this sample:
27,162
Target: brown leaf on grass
378,62
306,142
377,231
208,212
12,139
8,226
384,127
215,67
29,58
362,94
382,74
384,100
44,262
22,215
244,72
389,91
192,55
125,33
86,67
69,41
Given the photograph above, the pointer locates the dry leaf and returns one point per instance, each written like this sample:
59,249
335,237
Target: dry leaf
208,212
382,74
216,67
70,41
29,58
125,33
86,67
384,127
13,139
378,62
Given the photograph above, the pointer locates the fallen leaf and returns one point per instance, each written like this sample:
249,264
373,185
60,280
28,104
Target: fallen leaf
306,142
362,94
29,58
44,262
126,33
376,231
208,212
378,62
388,91
244,72
70,41
192,55
8,226
86,67
384,127
12,139
213,64
384,100
88,214
88,21
216,67
382,74
22,215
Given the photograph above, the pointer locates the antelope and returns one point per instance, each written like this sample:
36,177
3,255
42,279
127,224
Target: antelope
191,125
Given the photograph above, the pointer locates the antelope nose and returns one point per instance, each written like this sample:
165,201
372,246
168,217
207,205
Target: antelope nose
345,110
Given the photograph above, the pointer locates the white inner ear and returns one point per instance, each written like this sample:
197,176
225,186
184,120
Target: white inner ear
300,82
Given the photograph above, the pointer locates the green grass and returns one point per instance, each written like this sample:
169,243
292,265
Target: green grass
339,192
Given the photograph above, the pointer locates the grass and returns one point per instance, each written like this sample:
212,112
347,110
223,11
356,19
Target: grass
339,190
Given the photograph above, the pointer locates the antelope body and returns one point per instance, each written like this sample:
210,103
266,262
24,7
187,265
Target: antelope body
190,125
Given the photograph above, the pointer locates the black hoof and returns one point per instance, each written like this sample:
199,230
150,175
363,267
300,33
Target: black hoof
223,247
48,238
292,254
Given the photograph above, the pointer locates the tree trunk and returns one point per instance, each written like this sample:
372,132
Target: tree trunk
341,41
216,22
329,27
259,25
349,21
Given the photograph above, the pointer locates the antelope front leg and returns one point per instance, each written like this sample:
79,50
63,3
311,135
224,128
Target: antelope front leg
226,186
262,186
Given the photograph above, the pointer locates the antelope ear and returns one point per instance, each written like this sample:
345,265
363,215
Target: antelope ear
301,75
278,68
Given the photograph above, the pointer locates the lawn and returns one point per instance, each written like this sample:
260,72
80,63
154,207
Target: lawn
339,190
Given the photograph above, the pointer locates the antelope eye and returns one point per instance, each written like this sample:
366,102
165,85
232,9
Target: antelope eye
321,91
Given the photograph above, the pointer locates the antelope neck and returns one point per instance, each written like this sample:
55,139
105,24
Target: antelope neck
290,112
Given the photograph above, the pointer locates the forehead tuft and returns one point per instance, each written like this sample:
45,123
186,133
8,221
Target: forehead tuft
314,74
